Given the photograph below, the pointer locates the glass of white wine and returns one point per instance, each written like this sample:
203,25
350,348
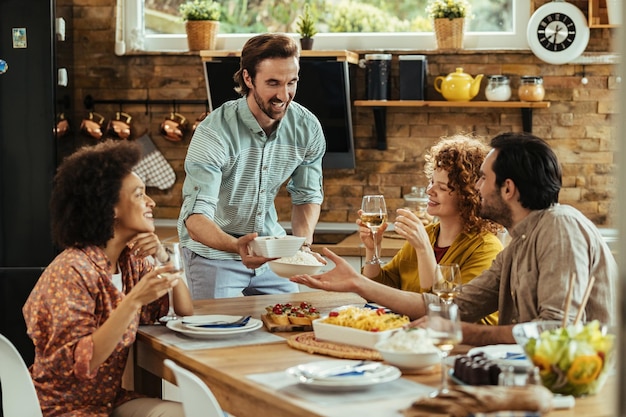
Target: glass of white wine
444,330
174,257
447,283
373,215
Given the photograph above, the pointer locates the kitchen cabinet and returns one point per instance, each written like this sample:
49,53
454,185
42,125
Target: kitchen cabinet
598,15
380,111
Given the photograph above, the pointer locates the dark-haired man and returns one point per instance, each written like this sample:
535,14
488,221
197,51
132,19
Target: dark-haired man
519,185
237,160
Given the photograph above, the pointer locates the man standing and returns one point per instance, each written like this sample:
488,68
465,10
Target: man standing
238,158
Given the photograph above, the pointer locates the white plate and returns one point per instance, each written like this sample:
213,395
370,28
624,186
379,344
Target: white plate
201,333
189,321
500,353
380,375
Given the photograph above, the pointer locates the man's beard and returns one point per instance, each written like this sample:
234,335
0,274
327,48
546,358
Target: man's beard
268,109
496,210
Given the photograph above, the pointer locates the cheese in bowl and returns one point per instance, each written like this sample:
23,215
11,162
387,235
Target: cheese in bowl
358,326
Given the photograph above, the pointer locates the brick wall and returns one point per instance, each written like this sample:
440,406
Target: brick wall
579,123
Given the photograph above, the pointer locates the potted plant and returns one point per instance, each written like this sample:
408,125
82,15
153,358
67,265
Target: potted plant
448,21
306,27
201,19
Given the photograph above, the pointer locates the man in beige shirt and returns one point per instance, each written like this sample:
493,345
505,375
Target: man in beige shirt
519,186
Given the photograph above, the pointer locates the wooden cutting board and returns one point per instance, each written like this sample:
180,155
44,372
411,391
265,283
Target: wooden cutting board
273,327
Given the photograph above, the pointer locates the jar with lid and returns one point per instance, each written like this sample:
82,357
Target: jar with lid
498,88
417,202
531,88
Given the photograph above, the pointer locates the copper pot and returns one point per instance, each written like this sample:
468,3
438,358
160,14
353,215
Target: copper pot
173,128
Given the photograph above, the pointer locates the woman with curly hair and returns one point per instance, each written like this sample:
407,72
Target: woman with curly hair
84,311
459,236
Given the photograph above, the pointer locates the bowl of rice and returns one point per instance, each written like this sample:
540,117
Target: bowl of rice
276,246
409,349
300,263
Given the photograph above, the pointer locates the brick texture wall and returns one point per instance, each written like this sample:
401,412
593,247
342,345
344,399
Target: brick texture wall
579,124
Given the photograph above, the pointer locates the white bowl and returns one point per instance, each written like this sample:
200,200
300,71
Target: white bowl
276,247
409,360
287,270
348,335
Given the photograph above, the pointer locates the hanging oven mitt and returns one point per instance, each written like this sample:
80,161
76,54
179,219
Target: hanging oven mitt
153,168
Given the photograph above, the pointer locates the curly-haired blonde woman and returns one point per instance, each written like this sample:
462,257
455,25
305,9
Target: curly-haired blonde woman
459,236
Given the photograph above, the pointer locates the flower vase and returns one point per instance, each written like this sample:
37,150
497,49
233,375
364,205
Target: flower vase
449,33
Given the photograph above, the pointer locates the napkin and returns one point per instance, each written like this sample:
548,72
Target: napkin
466,400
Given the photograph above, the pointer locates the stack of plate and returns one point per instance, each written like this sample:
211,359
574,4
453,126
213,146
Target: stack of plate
338,375
192,330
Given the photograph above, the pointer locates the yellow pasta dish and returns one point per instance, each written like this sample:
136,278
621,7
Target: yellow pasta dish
366,319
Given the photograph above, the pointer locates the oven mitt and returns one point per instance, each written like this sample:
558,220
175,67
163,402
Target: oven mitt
153,168
462,401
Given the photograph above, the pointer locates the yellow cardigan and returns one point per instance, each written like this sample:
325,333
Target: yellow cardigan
474,252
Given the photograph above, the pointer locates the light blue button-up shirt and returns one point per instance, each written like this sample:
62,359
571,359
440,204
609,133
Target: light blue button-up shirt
234,171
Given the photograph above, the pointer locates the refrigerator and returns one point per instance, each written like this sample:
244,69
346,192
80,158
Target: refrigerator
34,96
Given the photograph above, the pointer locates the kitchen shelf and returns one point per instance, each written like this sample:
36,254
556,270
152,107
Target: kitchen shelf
380,111
597,16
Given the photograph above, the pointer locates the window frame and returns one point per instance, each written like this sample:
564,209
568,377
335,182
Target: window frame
131,40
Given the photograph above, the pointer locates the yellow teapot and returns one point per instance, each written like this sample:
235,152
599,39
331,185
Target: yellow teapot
458,86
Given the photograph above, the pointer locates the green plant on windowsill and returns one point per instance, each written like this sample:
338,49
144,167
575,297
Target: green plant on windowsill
200,10
448,9
306,23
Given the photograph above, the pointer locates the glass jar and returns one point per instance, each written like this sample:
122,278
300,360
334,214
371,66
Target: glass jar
531,88
498,88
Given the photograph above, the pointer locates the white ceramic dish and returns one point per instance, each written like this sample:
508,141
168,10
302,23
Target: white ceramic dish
286,270
410,361
348,335
380,375
505,356
276,247
202,333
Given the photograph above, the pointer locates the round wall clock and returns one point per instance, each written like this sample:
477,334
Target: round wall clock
557,32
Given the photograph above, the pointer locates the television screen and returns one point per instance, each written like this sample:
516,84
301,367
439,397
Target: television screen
323,88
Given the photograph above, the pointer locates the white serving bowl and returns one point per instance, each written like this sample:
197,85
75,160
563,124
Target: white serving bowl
287,270
409,349
276,247
347,335
409,360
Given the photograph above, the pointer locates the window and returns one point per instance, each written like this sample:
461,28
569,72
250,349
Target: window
136,30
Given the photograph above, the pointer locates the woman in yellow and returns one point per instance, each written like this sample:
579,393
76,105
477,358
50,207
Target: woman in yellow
459,236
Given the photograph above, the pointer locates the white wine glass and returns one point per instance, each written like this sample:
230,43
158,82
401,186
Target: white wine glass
444,330
447,283
174,257
373,215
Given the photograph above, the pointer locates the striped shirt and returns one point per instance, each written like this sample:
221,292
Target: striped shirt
234,171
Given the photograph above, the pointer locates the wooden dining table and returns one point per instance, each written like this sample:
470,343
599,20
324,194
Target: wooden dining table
227,370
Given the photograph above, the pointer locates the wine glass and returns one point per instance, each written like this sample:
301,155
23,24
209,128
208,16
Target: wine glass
173,251
447,283
373,215
444,330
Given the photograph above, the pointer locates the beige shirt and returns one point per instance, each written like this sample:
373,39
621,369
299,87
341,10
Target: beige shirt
529,279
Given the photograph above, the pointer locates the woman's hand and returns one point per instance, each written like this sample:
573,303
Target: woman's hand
410,227
366,234
342,278
148,244
154,285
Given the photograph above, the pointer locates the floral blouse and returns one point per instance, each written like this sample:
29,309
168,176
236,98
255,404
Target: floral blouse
72,298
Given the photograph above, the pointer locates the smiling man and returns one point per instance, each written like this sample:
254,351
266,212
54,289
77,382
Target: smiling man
238,158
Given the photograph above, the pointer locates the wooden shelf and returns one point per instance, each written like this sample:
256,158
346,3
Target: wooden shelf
379,108
598,15
441,103
339,55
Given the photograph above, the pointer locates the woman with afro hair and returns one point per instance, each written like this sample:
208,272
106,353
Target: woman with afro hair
83,313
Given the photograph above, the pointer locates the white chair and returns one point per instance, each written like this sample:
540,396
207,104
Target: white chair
197,398
19,398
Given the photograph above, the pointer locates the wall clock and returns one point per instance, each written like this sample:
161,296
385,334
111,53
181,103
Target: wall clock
557,32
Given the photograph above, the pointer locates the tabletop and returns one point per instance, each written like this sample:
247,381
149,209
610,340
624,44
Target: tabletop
233,373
